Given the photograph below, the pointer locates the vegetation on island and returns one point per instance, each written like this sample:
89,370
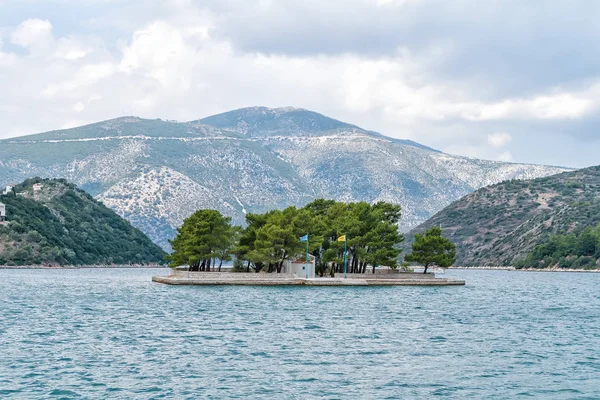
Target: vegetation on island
432,249
518,223
58,224
204,236
572,251
270,239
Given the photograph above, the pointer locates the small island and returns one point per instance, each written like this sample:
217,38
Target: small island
325,243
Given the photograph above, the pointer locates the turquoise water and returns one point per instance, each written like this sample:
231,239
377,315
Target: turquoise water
114,334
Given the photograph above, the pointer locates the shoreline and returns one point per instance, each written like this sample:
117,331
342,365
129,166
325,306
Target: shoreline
526,269
115,266
487,268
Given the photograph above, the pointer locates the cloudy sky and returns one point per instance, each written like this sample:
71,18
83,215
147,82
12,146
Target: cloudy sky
505,80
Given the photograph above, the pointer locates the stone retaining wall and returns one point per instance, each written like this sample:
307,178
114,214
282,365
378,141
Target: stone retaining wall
277,280
250,276
266,276
398,275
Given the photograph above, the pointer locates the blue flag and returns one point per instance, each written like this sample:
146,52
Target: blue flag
304,238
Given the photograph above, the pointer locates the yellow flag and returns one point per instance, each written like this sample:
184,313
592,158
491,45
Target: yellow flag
342,238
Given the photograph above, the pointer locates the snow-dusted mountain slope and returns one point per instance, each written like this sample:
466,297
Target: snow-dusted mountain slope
156,173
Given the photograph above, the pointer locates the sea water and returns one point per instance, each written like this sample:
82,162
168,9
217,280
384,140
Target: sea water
112,333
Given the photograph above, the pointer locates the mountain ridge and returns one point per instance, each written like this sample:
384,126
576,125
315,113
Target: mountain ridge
155,172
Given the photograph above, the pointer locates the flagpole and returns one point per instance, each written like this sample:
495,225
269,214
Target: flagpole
345,251
306,256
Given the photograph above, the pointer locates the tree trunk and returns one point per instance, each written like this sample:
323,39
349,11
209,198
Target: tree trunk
425,269
373,268
220,265
248,267
258,267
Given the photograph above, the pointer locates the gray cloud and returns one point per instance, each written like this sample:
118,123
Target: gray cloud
521,46
447,74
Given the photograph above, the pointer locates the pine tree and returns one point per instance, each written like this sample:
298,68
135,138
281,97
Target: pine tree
204,236
432,249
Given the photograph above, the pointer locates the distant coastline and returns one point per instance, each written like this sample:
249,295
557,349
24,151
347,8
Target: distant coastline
487,268
557,270
82,266
527,269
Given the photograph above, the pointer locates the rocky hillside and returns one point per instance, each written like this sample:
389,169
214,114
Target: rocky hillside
501,224
155,173
53,222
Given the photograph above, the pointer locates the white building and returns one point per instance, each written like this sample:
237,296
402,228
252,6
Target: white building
37,186
8,189
298,267
2,212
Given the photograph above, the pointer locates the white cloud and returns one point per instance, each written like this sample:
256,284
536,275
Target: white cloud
167,53
504,156
393,2
498,140
554,106
85,76
181,63
78,107
71,49
33,34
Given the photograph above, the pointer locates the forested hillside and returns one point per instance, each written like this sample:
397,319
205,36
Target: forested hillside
574,250
502,224
53,222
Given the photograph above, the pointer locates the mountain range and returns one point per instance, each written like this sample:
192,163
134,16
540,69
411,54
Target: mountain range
501,224
155,172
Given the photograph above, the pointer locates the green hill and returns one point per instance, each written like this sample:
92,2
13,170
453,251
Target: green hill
504,223
54,222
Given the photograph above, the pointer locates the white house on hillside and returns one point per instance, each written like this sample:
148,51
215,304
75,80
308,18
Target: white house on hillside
2,212
8,189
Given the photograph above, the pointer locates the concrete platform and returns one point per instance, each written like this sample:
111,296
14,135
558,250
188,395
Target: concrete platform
251,279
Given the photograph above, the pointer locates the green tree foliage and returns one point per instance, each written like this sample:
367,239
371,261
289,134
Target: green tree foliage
277,240
204,236
272,238
372,230
432,249
62,225
573,250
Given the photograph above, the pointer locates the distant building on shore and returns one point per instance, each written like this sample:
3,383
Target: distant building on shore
2,212
298,266
8,189
37,186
